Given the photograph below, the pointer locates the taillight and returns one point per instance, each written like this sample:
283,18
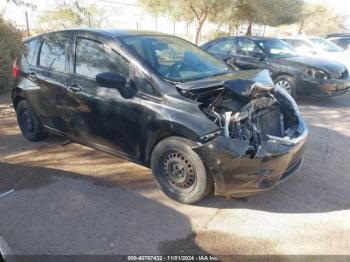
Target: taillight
15,69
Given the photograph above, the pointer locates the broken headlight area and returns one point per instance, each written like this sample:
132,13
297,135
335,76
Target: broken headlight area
319,74
255,114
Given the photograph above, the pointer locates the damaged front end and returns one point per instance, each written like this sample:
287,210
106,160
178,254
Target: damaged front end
261,134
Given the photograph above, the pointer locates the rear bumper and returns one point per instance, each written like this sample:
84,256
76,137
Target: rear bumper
323,88
236,174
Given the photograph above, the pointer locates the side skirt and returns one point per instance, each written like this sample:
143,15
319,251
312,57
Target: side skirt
96,146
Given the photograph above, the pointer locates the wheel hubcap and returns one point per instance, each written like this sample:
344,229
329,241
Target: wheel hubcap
285,85
179,170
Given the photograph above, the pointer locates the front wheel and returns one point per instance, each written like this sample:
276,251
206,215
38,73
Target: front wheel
287,83
179,171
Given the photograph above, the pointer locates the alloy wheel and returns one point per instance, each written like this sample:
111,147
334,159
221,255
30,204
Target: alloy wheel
285,85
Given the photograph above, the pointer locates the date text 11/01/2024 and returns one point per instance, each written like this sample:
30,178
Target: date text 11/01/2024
174,258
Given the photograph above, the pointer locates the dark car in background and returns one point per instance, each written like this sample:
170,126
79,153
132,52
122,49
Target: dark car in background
340,39
298,75
164,103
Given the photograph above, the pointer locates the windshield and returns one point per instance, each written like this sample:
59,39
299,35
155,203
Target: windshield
175,59
326,45
276,48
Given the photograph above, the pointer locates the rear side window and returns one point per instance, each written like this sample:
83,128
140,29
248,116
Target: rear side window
30,51
93,57
53,54
223,46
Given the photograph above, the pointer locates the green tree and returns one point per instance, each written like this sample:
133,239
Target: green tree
186,10
320,20
70,15
228,15
268,12
10,41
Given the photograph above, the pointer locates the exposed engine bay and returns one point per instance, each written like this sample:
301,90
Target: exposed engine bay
248,111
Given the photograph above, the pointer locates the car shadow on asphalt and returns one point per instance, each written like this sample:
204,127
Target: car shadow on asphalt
58,212
326,102
65,212
321,185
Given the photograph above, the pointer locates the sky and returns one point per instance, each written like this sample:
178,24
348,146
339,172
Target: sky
125,14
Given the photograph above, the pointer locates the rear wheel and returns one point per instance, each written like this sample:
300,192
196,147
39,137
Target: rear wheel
287,83
179,171
28,122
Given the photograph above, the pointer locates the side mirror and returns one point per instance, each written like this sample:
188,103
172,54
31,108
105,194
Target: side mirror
259,56
114,80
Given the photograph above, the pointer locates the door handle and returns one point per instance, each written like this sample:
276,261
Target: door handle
32,76
73,88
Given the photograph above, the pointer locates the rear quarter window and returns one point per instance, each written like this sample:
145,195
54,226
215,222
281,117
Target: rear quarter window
53,54
30,51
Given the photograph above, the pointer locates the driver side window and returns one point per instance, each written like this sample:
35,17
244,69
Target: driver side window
92,58
246,47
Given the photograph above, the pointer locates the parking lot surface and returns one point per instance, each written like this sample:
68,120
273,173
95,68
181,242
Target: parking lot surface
70,199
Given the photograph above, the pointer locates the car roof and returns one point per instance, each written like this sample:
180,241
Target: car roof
301,37
254,38
338,35
107,32
260,37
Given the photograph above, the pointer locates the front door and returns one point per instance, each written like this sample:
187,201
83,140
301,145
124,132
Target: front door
104,117
246,55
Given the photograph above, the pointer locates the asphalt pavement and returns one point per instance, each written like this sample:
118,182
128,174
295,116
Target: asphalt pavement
70,199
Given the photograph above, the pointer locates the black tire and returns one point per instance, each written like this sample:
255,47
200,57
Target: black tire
179,171
291,81
28,122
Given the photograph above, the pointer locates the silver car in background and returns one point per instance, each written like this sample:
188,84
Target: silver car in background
319,47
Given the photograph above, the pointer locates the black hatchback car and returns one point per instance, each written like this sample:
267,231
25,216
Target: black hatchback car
298,75
164,103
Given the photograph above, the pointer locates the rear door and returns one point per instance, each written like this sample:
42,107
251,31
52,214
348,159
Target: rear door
27,82
50,74
245,53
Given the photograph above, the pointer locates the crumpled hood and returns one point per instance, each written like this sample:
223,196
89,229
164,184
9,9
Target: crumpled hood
332,67
241,82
